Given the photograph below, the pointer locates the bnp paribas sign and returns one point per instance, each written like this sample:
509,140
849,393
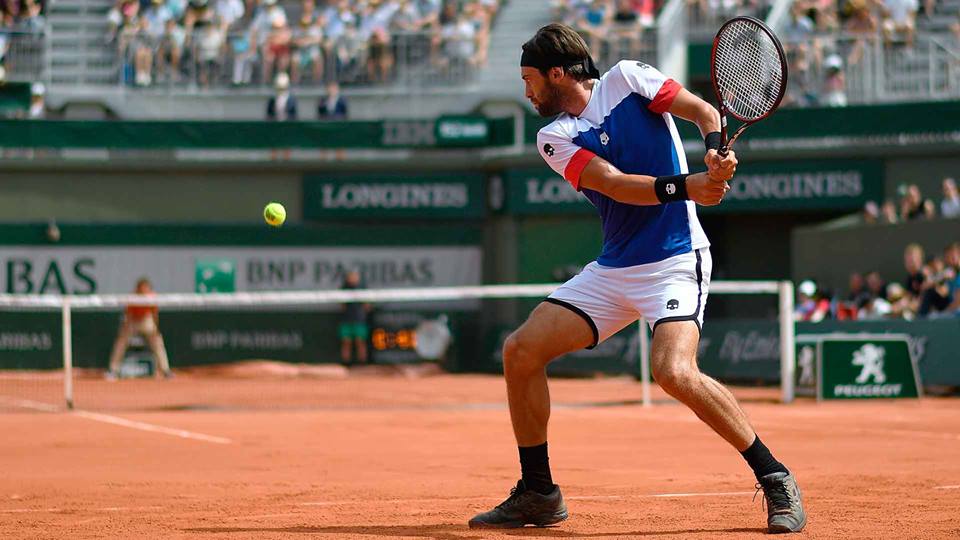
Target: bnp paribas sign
393,196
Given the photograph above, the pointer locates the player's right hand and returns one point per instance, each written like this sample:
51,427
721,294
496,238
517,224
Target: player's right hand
704,190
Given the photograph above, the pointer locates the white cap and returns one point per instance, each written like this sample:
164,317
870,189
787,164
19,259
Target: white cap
833,61
38,89
282,82
807,287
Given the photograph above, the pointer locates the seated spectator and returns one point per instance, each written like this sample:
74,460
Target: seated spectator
811,306
858,295
307,39
593,24
862,24
937,297
876,286
143,320
282,105
137,44
914,206
38,109
871,213
625,27
170,51
951,257
901,303
799,29
950,205
276,50
33,20
332,106
458,41
917,279
198,14
899,18
228,13
379,57
244,57
480,16
888,212
834,84
210,49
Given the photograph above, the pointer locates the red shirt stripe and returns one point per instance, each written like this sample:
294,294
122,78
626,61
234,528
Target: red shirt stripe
576,165
664,98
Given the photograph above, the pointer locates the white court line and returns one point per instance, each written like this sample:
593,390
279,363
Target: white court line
948,487
105,509
575,498
117,421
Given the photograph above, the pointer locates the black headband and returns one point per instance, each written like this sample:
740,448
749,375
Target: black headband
545,62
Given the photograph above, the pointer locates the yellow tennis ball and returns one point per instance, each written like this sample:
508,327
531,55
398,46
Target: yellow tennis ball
275,214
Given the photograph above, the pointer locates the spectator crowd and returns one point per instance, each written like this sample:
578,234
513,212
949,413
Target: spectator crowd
613,29
913,205
928,289
824,38
930,284
22,23
244,42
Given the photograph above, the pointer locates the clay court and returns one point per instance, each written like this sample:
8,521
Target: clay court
376,456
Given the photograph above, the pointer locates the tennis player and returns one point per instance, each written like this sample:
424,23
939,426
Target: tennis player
614,139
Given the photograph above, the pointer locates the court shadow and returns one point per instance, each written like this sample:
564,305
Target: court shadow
457,531
440,531
560,533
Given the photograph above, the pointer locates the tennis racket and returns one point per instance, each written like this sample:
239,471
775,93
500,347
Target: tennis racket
749,74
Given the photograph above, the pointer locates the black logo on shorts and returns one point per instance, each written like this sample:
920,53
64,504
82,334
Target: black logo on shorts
673,303
548,149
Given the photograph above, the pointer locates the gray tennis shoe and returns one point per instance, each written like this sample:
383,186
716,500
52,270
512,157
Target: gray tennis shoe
523,507
784,504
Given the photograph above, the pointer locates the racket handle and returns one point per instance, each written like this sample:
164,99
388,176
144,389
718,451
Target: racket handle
723,151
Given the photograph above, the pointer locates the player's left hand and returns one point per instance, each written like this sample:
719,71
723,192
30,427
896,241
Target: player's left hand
720,168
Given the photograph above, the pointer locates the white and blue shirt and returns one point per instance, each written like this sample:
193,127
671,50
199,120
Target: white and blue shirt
627,124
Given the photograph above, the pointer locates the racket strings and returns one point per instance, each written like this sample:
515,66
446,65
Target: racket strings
749,71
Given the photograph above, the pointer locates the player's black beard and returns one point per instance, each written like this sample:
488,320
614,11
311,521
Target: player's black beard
551,106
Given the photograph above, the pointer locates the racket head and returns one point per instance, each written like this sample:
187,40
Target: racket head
748,69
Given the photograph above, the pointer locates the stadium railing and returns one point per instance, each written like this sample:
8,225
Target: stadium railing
239,301
24,55
876,72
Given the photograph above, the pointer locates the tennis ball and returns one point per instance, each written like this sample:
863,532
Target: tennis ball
275,214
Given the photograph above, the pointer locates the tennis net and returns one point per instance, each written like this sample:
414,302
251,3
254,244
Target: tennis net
282,349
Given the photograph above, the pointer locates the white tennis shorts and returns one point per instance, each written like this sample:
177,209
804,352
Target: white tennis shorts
609,299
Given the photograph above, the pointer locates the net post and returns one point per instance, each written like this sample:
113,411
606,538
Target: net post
67,352
787,342
644,362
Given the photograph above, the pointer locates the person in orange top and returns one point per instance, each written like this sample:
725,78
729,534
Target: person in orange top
143,320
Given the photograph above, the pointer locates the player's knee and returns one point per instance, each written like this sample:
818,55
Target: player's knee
518,358
676,378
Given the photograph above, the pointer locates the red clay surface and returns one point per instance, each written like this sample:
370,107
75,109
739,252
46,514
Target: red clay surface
385,457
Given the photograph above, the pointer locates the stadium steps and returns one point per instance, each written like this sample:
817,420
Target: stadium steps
79,52
516,23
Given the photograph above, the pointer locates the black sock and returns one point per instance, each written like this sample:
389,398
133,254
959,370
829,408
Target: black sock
760,459
535,468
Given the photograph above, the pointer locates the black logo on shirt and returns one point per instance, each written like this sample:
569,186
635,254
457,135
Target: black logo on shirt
641,65
548,149
673,304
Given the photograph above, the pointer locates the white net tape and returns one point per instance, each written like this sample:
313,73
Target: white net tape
749,71
292,298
